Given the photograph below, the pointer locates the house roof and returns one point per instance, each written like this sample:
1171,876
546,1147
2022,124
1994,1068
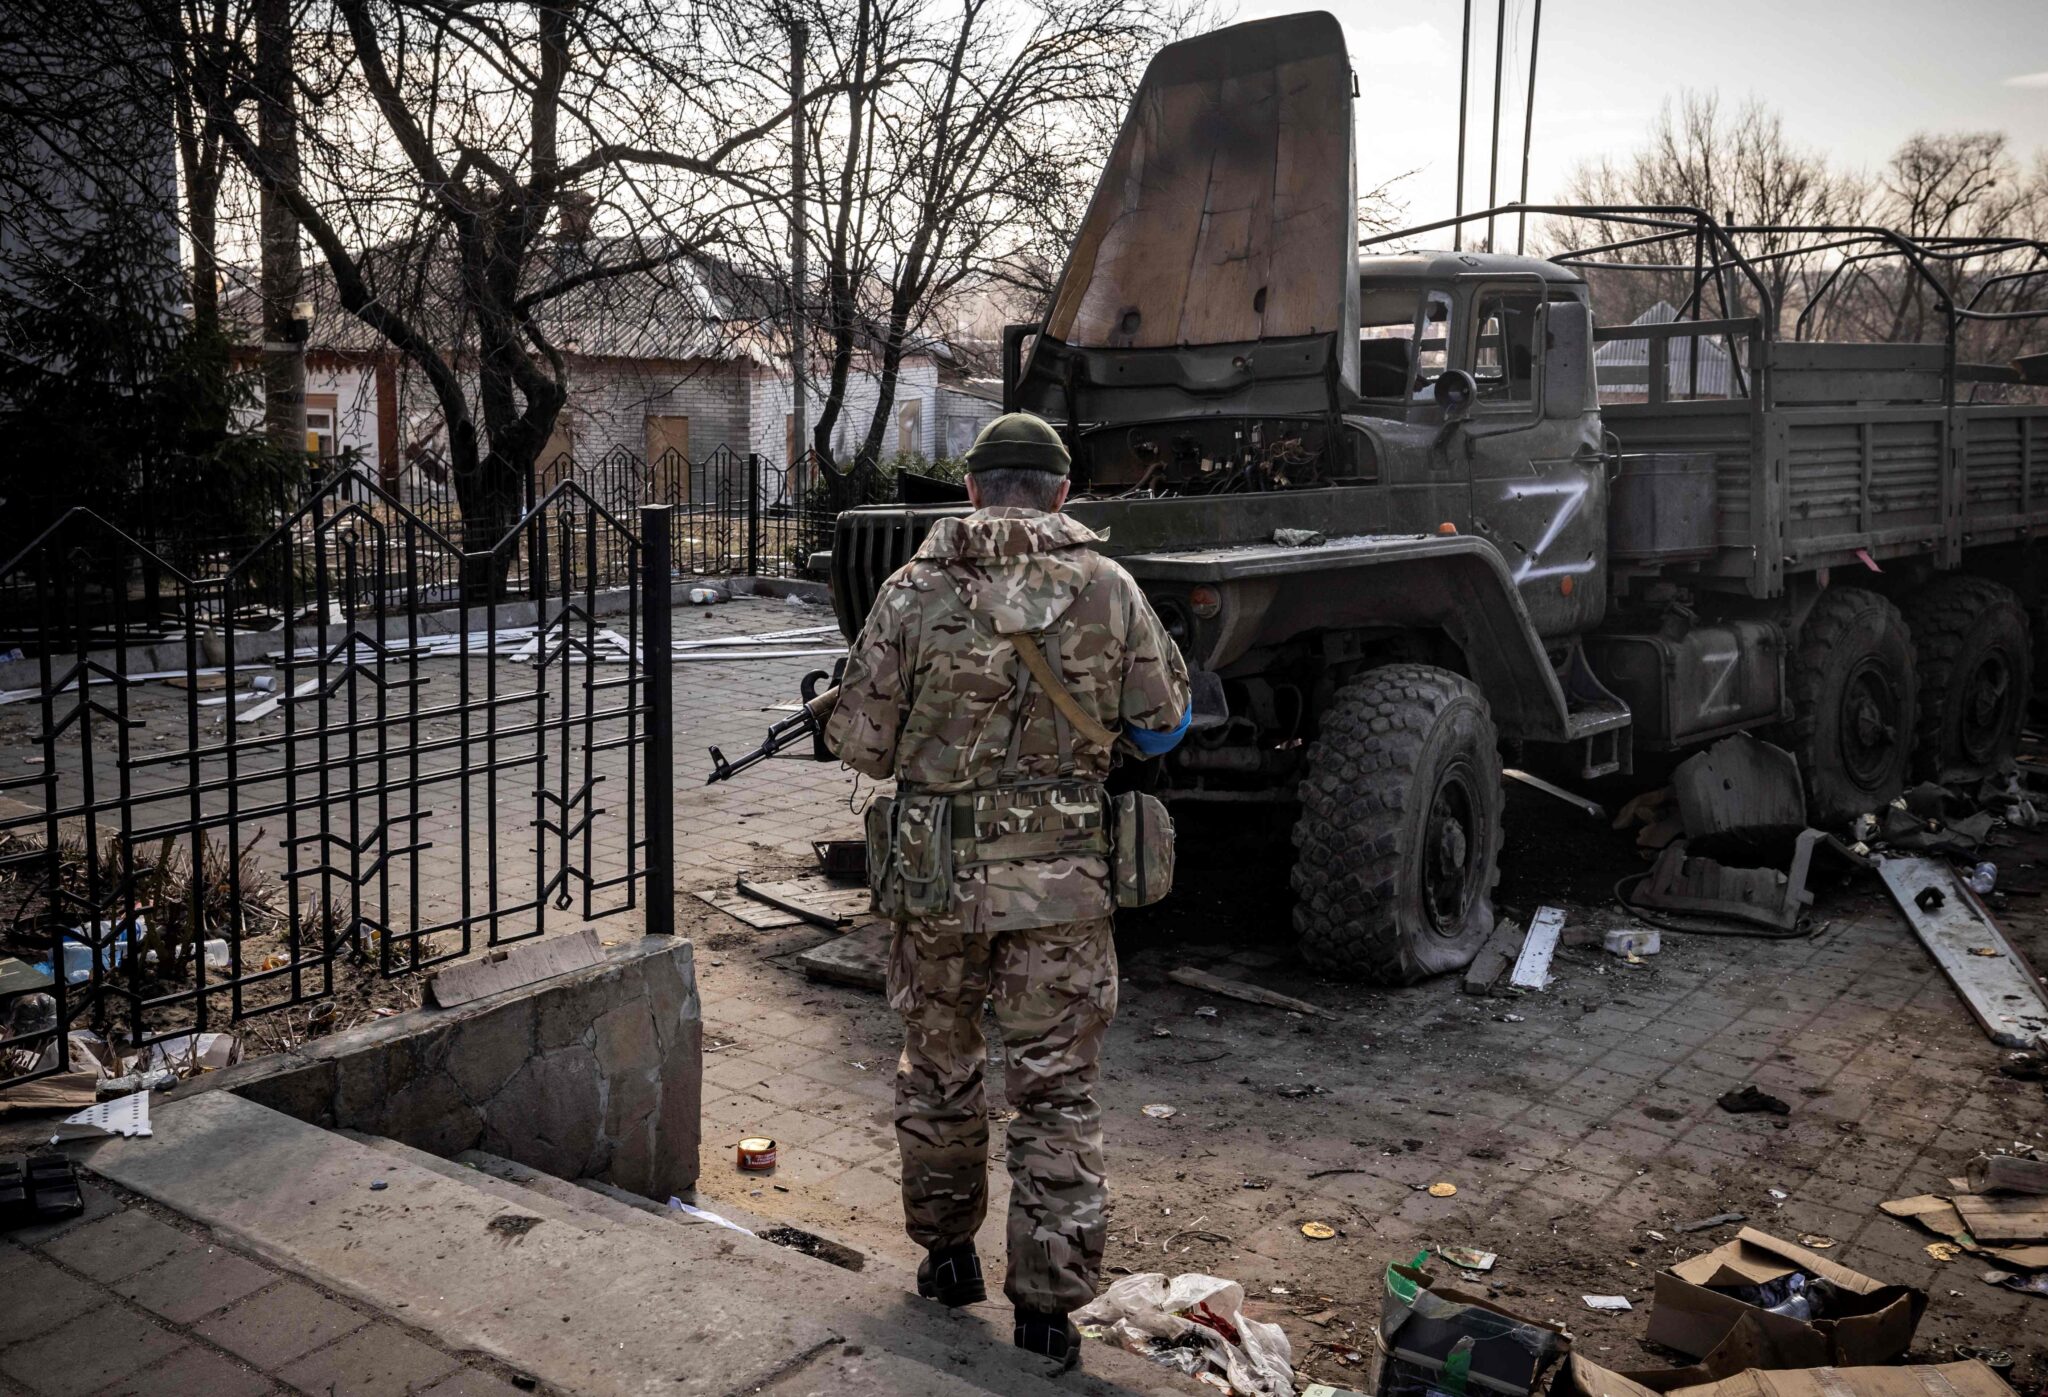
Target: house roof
1625,363
690,306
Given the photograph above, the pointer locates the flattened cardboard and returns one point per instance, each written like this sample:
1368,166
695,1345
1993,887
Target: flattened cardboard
1972,1378
1687,1315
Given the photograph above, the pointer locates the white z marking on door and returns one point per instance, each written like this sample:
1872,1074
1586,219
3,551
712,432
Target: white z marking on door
1570,494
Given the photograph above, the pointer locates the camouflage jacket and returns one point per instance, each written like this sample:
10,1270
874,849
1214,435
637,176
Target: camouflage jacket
932,683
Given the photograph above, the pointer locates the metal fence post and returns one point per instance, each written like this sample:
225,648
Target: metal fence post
753,514
657,668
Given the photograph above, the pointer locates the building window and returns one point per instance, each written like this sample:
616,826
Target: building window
320,434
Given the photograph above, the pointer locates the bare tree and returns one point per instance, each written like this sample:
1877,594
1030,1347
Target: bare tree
966,142
1741,169
441,148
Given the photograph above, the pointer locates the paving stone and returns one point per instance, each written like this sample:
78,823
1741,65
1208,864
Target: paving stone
380,1361
88,1352
38,1295
194,1284
471,1383
191,1372
279,1325
119,1245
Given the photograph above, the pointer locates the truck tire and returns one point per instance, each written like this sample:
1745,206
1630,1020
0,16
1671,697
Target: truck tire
1399,836
1973,653
1853,704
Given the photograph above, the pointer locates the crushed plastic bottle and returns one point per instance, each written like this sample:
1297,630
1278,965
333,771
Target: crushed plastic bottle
1983,878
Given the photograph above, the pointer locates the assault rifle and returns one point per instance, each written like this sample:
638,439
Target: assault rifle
807,721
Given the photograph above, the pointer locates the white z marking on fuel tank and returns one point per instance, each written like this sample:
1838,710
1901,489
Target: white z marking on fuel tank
1726,660
1570,494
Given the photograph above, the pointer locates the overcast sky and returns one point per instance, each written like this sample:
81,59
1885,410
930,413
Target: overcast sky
1853,77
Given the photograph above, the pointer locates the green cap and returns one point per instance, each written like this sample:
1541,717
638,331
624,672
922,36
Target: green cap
1021,442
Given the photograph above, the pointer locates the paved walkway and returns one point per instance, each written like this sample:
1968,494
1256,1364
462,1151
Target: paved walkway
132,1301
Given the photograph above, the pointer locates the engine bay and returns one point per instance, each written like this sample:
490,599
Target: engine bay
1213,456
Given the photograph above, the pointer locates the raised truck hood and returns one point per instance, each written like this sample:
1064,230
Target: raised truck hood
1216,270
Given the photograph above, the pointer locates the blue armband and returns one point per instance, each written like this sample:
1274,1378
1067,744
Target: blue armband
1154,743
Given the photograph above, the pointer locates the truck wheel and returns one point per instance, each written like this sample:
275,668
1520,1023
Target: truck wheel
1974,654
1852,700
1400,828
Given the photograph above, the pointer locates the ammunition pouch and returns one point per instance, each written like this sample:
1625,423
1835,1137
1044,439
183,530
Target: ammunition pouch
917,841
1143,864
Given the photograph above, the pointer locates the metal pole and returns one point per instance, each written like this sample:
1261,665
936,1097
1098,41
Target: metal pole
1528,126
799,36
1464,90
753,514
285,326
658,671
1500,48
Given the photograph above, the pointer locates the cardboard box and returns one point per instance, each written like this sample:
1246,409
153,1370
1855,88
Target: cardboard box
1584,1378
1690,1311
1433,1339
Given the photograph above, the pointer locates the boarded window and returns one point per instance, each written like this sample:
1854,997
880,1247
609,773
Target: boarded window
668,439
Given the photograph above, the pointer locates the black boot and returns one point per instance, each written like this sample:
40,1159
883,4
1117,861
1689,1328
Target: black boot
952,1276
1049,1335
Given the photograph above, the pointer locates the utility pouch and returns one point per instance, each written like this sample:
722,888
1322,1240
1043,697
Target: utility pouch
910,855
1142,864
1065,819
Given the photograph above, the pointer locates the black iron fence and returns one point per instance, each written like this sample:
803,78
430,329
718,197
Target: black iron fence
237,785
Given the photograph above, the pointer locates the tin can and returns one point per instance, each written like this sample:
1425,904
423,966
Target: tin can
757,1155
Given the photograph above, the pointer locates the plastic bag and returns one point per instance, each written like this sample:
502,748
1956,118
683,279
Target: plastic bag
1194,1324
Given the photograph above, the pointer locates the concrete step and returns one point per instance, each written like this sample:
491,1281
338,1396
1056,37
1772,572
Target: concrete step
560,1193
530,1199
650,1306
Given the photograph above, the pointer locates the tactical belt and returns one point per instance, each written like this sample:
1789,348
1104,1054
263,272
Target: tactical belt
1038,820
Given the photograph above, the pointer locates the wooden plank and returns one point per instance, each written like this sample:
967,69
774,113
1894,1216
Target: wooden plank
1532,966
758,915
2008,1218
1249,994
810,898
513,968
2000,988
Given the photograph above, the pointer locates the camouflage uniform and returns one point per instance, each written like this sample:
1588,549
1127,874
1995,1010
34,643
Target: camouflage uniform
934,696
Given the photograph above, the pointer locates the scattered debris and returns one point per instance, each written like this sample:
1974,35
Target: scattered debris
1443,1189
1194,1324
1435,1339
810,899
1591,807
1717,1220
1532,964
860,958
2003,993
1318,1231
2008,1173
1159,1111
1816,1241
1750,1099
1681,883
1740,792
1206,1011
1632,941
1249,994
2004,1217
1494,957
1468,1258
1944,1251
379,1185
1774,1283
1612,1303
2025,1285
1299,538
758,1155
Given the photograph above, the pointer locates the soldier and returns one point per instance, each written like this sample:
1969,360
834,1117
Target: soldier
939,693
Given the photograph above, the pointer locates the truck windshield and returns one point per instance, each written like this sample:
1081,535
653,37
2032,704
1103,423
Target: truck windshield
1403,341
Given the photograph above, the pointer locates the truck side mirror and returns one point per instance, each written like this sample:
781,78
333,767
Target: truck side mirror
1455,389
1568,360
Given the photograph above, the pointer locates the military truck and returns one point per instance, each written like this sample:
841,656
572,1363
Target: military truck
1412,510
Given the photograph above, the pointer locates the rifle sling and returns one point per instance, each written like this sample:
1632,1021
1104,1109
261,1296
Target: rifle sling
1062,698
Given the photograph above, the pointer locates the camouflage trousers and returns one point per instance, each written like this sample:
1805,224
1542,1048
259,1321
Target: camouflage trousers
1053,990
